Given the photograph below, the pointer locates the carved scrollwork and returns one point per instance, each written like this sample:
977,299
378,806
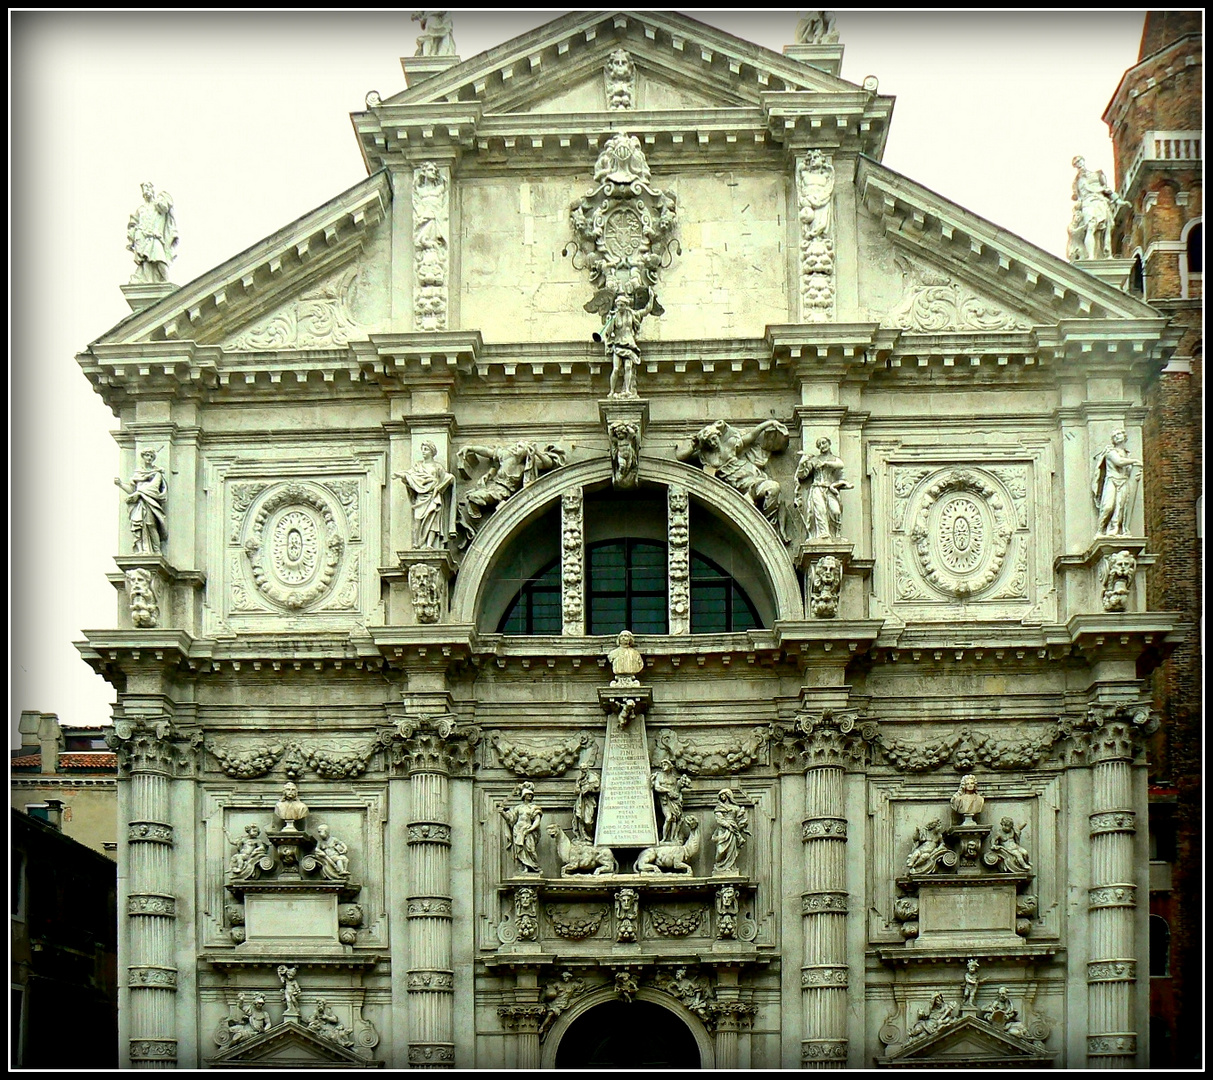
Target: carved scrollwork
322,317
243,495
713,755
575,926
248,763
933,303
542,759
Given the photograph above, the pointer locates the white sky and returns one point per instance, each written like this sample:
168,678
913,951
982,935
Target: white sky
244,118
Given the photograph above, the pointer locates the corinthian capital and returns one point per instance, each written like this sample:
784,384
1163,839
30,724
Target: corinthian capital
439,744
152,744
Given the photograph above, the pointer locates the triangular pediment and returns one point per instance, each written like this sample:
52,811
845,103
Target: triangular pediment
998,280
971,1041
305,286
532,72
290,1045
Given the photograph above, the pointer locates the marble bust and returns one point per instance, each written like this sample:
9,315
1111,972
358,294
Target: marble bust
966,801
290,808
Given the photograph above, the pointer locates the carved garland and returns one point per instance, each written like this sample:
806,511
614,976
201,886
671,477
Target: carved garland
965,749
713,755
299,549
679,536
815,210
542,760
571,561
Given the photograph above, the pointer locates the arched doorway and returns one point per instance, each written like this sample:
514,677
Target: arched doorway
628,1035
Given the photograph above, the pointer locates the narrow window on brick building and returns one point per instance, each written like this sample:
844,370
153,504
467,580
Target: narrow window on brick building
1160,946
1196,256
1137,278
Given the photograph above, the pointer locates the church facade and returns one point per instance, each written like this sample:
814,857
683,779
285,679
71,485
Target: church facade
633,582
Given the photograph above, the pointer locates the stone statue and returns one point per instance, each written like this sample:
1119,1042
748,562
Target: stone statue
1003,1014
619,337
147,494
928,848
511,468
625,453
671,856
238,1026
1116,574
626,661
966,801
290,808
558,996
585,809
1097,203
259,1020
436,38
939,1014
427,482
1113,486
523,821
332,855
817,28
820,505
141,595
290,991
731,832
1006,849
738,458
626,985
151,236
620,75
327,1024
669,786
970,985
250,850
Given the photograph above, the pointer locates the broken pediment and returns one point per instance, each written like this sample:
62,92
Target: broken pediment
970,1043
289,1046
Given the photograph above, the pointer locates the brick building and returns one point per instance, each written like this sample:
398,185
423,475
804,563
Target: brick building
1155,118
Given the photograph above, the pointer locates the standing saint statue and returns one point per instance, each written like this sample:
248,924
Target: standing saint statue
585,809
669,786
146,494
821,506
1113,486
619,336
731,832
427,483
436,37
523,821
151,236
1097,203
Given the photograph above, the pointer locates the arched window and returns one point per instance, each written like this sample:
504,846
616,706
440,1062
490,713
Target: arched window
1160,946
1196,250
626,589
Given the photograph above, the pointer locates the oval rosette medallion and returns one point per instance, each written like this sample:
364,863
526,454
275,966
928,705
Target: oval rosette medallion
294,546
961,533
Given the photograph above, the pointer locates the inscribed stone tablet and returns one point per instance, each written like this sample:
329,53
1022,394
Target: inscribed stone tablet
625,806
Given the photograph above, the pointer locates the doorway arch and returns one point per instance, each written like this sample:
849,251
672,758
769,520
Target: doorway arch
654,1031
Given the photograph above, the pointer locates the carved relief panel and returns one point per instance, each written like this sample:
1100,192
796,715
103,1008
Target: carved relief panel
969,531
292,549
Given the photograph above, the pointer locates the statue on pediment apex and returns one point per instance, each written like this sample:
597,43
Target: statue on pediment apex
437,36
817,28
151,236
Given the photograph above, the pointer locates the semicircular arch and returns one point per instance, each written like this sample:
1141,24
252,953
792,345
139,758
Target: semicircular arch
769,553
703,1039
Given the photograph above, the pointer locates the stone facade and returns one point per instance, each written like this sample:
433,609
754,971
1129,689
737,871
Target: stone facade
831,802
1153,117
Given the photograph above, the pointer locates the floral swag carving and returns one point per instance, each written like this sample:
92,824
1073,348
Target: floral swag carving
544,759
712,755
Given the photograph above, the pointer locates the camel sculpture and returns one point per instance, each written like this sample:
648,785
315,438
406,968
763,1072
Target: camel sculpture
670,857
580,856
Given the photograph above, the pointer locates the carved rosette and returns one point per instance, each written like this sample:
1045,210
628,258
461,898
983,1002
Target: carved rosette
678,533
431,245
572,563
815,211
295,539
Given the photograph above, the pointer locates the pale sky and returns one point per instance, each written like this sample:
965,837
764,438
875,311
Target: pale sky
244,118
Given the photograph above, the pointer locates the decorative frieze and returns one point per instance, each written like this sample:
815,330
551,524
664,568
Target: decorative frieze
823,829
678,535
575,926
148,975
1109,896
431,245
668,923
1113,821
814,1050
151,904
440,981
823,975
811,903
572,564
815,212
428,907
1112,971
150,832
248,763
429,832
153,1050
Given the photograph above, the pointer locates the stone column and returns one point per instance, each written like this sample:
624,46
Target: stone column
730,1015
525,1016
1112,898
146,757
432,748
828,746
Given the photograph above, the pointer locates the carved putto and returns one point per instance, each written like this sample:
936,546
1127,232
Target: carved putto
620,75
1006,852
436,37
625,453
1094,218
817,28
739,458
245,863
819,500
511,468
147,495
290,991
427,483
141,595
151,236
623,235
331,855
731,832
1116,574
1114,486
522,837
929,849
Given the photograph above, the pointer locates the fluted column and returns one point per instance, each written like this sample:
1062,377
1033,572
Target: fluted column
431,749
1112,898
828,744
146,753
